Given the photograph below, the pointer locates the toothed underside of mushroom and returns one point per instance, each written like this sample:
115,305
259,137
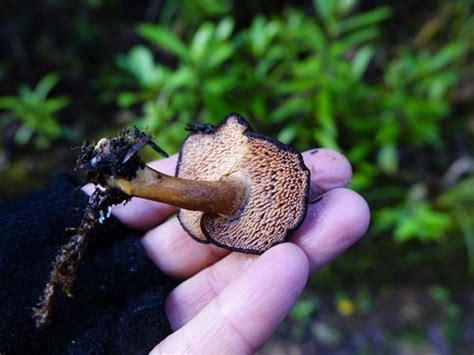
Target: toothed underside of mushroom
276,175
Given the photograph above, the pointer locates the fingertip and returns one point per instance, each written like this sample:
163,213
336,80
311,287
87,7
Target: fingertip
349,212
331,225
361,213
329,169
291,260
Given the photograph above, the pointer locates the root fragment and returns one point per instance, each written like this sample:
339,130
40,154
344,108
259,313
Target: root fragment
70,254
116,157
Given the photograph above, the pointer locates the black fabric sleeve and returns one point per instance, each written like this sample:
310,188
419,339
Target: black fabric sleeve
118,295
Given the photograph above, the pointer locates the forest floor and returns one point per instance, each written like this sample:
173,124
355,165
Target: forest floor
401,320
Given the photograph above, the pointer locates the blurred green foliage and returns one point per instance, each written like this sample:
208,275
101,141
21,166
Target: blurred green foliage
323,78
303,310
35,112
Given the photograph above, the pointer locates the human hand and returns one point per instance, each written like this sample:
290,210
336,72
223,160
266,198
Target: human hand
232,302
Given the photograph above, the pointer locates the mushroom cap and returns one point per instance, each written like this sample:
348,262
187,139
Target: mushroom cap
278,183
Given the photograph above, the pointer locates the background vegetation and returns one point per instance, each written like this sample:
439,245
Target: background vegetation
388,83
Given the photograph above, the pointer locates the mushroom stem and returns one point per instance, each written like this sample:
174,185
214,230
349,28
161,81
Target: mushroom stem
223,197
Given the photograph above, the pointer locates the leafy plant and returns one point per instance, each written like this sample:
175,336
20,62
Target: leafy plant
34,112
196,88
458,201
217,70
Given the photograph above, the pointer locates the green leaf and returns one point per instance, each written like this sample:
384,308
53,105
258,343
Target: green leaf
361,60
289,133
324,139
290,108
23,135
437,86
165,39
9,102
366,19
127,99
423,223
323,8
269,61
26,95
56,104
219,55
344,6
200,42
387,159
35,112
361,36
386,218
260,35
224,29
49,127
219,86
181,77
141,64
323,112
294,87
446,56
45,85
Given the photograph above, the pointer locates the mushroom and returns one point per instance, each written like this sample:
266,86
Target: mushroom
235,188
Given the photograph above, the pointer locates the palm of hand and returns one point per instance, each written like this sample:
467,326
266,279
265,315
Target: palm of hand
232,302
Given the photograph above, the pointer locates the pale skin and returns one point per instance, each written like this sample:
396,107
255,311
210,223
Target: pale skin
232,302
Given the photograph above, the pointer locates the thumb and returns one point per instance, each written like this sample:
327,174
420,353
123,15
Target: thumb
244,315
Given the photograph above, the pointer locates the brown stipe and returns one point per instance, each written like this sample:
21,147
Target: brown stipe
222,197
